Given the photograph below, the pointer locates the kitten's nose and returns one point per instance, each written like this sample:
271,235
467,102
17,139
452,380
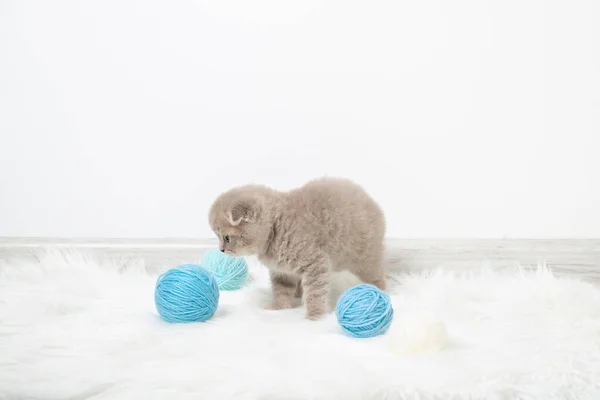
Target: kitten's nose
222,249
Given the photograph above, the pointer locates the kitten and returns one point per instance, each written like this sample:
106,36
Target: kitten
303,235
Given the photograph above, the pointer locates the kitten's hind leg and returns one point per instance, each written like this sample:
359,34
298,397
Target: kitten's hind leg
371,270
299,291
284,287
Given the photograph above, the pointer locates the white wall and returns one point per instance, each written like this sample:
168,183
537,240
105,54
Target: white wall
467,118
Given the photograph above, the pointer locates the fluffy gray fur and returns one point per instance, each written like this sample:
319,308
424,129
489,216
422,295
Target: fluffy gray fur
303,235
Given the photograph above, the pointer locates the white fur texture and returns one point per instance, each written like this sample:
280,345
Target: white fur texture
75,328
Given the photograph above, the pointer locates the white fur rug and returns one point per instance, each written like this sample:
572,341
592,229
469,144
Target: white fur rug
74,328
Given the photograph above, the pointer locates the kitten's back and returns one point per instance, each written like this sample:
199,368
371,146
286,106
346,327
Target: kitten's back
342,214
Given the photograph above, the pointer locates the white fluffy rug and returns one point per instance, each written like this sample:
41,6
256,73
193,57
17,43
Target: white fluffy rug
74,328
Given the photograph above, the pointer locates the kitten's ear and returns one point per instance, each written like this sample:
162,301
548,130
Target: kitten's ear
244,210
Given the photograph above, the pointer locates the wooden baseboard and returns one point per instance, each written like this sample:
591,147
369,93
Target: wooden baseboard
573,257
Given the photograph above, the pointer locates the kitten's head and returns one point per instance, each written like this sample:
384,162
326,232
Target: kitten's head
236,217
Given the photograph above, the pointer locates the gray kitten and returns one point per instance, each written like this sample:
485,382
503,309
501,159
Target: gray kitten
303,235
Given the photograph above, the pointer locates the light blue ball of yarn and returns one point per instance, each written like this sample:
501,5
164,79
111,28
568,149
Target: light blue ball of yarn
187,293
230,272
364,311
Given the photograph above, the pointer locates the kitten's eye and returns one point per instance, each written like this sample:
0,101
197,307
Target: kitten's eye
226,237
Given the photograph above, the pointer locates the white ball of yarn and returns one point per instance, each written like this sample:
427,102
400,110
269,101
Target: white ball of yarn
417,332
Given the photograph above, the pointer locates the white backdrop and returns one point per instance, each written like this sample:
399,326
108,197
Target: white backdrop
470,118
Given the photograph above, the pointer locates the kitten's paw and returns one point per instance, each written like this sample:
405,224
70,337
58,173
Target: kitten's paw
314,316
272,307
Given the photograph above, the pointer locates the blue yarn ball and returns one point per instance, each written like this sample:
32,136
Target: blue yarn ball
364,311
230,272
187,293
